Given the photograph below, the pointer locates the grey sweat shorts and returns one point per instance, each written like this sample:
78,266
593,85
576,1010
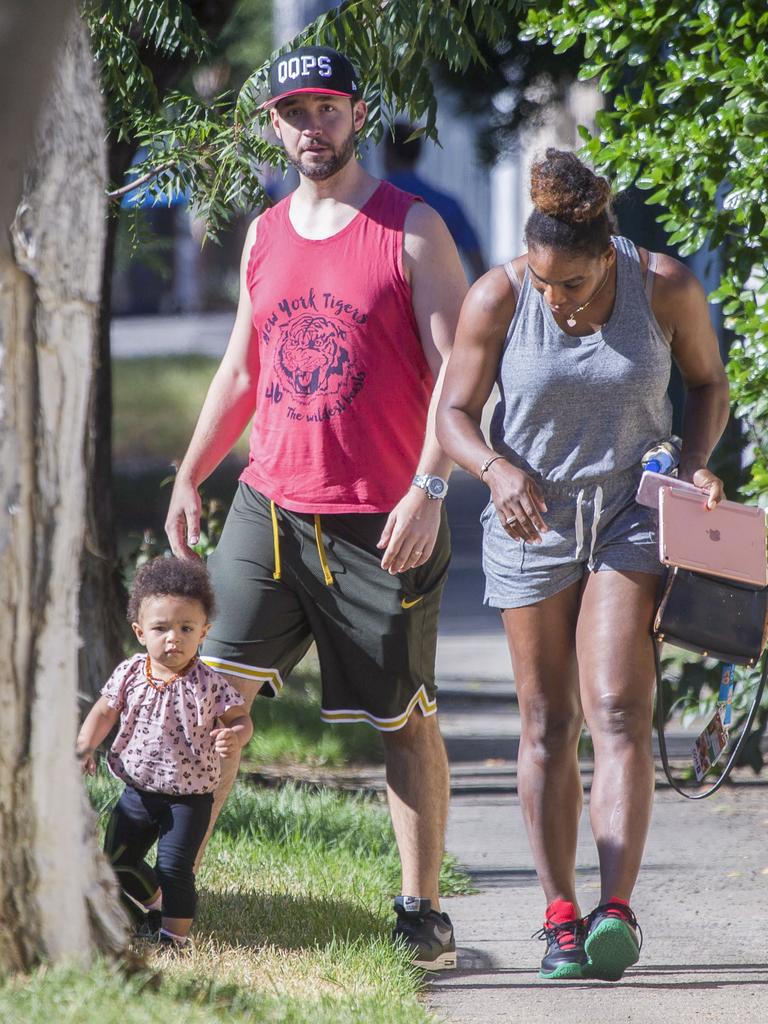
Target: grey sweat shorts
592,527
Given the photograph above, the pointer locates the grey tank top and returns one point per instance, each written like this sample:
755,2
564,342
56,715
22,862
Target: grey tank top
584,408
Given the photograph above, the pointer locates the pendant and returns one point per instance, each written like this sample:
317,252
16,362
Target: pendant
571,321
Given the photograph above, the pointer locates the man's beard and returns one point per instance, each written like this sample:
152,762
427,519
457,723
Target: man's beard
319,172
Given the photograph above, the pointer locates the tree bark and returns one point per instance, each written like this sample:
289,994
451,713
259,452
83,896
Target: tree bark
30,32
57,893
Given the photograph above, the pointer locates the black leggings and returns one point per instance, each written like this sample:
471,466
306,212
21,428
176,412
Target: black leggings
179,824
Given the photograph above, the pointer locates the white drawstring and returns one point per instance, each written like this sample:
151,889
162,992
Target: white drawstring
579,523
598,509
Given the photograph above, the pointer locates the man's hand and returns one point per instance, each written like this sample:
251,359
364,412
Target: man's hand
182,524
226,742
410,532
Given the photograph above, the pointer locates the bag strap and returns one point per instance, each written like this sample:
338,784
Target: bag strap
736,750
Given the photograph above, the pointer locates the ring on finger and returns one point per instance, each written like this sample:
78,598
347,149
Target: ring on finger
510,520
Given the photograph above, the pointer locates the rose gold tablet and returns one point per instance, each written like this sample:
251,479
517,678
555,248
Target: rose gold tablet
651,483
727,541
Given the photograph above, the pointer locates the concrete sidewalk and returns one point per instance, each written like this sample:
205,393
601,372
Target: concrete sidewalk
701,901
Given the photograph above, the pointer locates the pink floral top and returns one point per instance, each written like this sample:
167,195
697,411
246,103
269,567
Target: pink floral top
164,742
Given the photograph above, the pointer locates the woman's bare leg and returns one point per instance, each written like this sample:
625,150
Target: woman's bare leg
542,644
616,668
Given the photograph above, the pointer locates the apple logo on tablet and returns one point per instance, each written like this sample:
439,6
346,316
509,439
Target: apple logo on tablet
714,534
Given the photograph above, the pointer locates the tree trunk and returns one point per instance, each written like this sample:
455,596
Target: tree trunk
30,32
57,893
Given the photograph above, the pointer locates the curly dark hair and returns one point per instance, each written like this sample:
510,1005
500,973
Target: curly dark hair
174,577
572,206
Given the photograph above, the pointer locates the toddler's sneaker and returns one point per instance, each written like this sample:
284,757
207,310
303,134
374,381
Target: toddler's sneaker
146,923
614,940
563,932
150,925
171,946
425,932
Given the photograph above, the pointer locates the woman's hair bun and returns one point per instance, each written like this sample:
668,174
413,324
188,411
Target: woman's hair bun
565,188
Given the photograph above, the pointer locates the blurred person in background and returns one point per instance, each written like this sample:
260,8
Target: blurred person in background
400,159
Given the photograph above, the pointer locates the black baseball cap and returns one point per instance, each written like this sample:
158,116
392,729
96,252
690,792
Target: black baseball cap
311,69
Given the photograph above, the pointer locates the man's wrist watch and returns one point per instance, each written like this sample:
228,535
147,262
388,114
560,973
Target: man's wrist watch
433,486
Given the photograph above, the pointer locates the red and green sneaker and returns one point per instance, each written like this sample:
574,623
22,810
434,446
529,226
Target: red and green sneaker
614,940
563,932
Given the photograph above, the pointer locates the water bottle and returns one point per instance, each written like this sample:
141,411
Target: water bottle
664,457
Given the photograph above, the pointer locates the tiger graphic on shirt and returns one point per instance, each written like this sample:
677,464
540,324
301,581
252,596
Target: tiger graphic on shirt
312,357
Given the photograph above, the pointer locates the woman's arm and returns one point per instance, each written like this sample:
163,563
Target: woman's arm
680,304
483,324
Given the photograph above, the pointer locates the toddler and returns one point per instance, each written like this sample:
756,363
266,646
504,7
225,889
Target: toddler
176,718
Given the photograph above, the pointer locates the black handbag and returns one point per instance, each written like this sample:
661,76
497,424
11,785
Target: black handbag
718,619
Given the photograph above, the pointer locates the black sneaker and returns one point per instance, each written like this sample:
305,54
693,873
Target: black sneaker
146,923
564,934
172,947
135,912
150,925
426,932
614,940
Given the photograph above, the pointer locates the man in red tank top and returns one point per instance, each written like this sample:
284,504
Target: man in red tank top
349,296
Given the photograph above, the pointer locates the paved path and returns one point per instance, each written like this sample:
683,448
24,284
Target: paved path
701,900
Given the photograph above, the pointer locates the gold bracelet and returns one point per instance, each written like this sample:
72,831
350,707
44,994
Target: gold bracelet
488,463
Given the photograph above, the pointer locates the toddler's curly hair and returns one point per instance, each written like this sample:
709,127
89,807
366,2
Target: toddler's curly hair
174,577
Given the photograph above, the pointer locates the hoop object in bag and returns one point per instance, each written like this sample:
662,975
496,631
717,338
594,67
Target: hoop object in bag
718,619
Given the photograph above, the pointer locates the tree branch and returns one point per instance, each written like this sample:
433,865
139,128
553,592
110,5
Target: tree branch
133,185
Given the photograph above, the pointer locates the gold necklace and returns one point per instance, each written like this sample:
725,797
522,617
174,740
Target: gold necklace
571,321
162,684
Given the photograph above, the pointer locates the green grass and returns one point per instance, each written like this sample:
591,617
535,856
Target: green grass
293,841
108,995
156,402
293,927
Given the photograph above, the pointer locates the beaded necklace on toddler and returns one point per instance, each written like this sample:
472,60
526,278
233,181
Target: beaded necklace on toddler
162,684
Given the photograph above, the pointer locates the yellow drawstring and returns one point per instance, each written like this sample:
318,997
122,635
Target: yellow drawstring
327,575
275,540
277,574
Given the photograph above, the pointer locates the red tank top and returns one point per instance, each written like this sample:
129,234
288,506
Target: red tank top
344,386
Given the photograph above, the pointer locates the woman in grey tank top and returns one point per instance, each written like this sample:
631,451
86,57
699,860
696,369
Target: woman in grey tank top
579,334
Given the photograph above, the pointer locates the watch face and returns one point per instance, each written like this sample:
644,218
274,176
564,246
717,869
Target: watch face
436,486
